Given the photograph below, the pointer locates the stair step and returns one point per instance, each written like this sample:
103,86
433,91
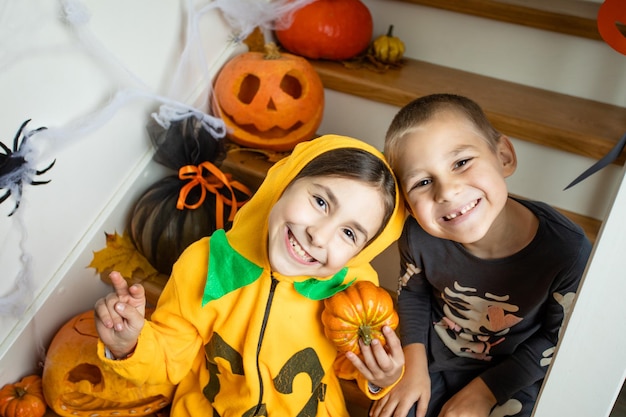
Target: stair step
576,18
590,225
571,124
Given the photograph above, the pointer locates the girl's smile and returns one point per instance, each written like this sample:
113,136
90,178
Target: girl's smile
298,252
320,223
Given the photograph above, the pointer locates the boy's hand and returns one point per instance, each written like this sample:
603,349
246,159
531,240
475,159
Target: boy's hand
474,400
120,316
413,387
381,365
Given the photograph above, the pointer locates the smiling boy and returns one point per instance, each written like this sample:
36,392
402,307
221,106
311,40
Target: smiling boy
486,279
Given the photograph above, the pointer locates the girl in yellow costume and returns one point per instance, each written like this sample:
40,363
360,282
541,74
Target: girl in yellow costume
238,326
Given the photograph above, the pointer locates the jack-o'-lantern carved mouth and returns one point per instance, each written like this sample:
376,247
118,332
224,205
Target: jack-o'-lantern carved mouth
86,400
273,133
75,383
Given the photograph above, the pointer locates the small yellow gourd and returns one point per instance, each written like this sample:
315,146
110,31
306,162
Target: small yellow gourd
388,49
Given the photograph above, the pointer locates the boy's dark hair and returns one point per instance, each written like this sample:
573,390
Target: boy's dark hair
360,165
423,109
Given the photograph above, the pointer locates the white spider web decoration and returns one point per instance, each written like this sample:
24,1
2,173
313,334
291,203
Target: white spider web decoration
183,99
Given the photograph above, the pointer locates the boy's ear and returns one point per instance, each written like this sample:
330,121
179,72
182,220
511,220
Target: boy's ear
507,156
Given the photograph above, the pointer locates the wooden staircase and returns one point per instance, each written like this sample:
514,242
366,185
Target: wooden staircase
563,122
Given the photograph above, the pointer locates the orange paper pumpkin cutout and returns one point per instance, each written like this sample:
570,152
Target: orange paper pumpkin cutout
612,12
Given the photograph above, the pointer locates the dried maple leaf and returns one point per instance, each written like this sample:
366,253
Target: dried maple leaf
121,255
255,41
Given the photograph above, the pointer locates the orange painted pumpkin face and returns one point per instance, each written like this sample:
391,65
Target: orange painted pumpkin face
269,103
74,383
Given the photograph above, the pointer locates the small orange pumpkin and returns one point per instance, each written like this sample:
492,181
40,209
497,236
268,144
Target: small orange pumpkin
23,399
269,100
358,312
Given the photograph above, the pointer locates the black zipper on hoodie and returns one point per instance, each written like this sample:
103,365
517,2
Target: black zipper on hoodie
268,307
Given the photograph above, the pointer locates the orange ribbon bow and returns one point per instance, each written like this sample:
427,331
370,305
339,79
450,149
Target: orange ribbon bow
213,183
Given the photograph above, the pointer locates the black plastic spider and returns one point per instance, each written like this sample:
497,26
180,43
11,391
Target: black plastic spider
15,170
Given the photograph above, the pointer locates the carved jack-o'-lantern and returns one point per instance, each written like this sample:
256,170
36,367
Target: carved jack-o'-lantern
269,101
74,384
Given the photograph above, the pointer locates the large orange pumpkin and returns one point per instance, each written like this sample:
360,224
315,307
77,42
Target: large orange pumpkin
358,312
328,29
75,384
269,100
23,398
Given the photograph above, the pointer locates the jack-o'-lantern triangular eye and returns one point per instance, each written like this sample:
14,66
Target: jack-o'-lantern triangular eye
86,372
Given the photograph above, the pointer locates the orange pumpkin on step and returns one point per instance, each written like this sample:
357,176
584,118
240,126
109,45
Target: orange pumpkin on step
358,312
328,29
269,100
23,398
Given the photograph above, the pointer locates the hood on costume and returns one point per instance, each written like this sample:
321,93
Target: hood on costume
248,235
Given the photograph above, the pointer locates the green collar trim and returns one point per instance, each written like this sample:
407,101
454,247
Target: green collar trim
315,289
229,270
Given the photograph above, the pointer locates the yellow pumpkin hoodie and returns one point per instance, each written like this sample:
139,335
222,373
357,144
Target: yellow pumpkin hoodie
239,339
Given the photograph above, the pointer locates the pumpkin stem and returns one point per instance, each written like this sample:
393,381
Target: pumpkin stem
390,31
271,51
20,392
365,333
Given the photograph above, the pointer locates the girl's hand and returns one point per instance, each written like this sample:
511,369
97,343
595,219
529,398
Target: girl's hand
120,316
381,365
